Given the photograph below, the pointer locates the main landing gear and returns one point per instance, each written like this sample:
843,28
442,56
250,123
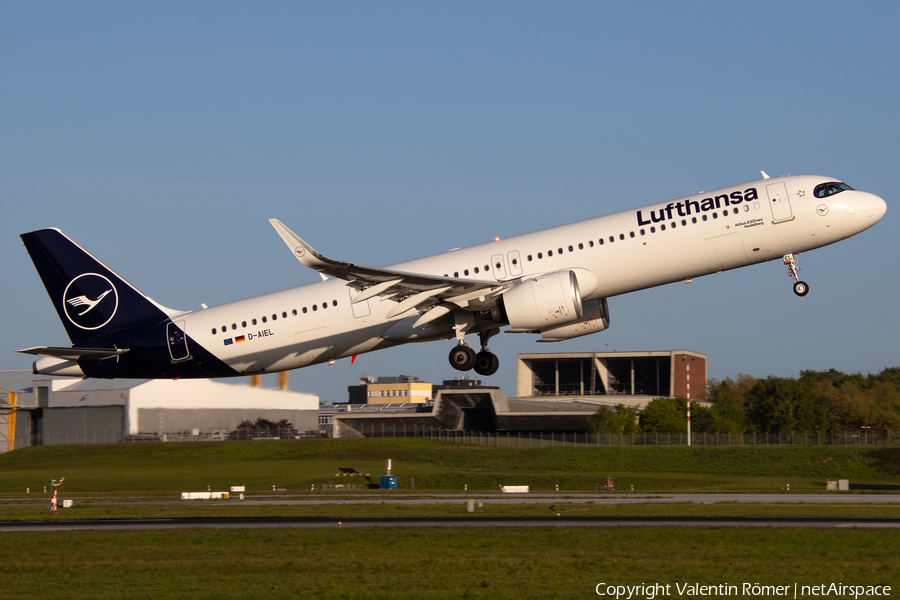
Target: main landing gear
463,358
801,288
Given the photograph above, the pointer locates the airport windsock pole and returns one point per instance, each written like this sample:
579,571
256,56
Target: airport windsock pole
688,370
689,420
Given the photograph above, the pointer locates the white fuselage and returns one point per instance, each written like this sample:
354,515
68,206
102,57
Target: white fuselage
610,255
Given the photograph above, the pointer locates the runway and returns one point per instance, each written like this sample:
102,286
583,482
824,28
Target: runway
470,522
413,499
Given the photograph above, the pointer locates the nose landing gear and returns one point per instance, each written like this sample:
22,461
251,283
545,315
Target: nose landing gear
801,288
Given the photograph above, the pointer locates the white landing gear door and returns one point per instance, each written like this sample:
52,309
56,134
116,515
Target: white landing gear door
780,202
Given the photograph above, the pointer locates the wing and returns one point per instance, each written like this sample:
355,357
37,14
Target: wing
432,295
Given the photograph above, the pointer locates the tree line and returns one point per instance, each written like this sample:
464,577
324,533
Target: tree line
816,401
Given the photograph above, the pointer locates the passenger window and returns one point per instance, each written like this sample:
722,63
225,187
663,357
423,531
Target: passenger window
549,252
214,331
334,302
715,215
304,310
274,317
264,320
581,246
466,272
476,269
315,307
243,323
529,258
284,315
253,321
540,255
324,305
621,236
631,234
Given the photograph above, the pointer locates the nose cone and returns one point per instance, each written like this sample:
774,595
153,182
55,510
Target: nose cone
877,207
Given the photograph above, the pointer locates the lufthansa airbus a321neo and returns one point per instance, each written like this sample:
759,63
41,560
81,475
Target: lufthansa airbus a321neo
553,282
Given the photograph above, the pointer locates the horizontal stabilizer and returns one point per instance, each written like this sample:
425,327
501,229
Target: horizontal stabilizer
75,353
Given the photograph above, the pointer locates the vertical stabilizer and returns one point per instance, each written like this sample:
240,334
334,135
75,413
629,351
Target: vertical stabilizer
95,305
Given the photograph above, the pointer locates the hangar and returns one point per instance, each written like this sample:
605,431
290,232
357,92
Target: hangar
61,410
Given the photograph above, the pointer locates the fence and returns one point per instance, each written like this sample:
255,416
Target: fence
865,437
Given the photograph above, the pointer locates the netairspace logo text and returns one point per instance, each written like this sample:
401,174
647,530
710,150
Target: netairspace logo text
795,590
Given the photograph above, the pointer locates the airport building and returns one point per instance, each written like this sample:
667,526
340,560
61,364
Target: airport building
56,410
555,393
390,390
632,378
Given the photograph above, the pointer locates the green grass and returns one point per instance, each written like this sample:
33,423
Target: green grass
434,562
430,563
343,512
435,466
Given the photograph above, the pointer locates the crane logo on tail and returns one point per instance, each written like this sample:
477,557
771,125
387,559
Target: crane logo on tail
90,301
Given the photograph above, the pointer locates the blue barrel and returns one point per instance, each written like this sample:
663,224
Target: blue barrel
388,482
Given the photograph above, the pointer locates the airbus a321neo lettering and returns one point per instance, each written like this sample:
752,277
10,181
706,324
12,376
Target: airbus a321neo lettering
553,282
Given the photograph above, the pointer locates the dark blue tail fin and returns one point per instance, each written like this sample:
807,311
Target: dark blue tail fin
95,305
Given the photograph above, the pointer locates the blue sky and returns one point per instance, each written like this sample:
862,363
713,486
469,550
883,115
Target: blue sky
162,136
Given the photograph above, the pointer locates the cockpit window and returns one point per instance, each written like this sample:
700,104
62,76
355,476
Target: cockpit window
823,190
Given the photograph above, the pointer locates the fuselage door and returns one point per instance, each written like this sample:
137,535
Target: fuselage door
177,340
360,309
780,202
499,267
515,263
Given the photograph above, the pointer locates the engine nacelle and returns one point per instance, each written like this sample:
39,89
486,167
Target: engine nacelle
544,301
596,318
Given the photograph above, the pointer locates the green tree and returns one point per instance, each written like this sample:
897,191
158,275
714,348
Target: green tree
730,399
622,419
783,405
665,415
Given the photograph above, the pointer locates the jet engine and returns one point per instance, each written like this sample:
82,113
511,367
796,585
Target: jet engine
542,302
595,318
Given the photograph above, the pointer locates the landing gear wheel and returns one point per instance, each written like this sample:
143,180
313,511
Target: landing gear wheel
801,288
462,358
486,363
